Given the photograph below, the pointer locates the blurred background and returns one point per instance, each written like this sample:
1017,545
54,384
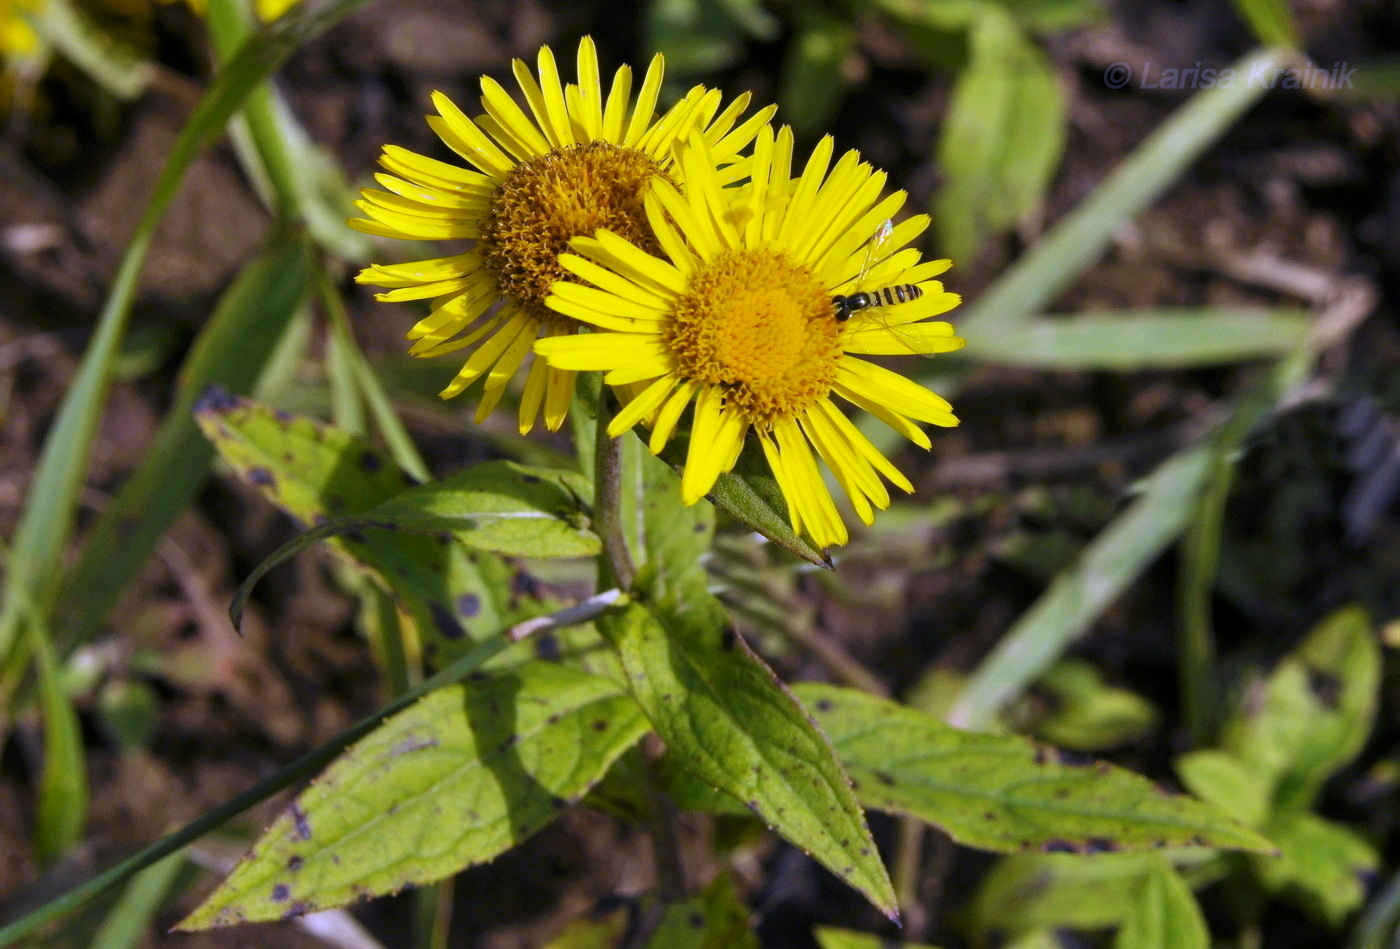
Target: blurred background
1179,451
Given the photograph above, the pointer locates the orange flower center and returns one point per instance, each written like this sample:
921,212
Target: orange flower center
548,200
761,328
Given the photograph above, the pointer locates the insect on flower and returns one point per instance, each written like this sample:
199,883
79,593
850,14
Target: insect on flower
859,300
737,321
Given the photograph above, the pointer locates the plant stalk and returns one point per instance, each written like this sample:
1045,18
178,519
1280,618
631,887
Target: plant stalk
616,563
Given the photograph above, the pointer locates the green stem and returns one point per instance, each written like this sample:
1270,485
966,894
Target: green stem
908,869
616,562
1200,554
661,826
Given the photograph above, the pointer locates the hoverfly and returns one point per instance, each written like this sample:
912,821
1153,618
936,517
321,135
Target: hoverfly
858,300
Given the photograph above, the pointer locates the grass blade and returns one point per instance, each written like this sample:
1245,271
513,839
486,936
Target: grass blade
63,792
1142,339
1271,21
1080,237
131,916
232,350
1110,563
47,519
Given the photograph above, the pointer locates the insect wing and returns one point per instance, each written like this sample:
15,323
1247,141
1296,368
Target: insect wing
879,321
874,254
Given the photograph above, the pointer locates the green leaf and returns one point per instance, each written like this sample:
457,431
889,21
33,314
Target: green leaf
1227,782
231,350
829,937
63,790
1316,709
1115,558
313,471
500,506
714,919
813,86
728,719
605,932
662,532
1324,867
1142,339
496,507
750,495
1067,891
1078,595
1005,792
1271,22
694,36
959,15
78,896
1164,914
1002,137
1088,715
112,64
462,776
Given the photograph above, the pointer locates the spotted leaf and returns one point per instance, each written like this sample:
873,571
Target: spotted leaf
1004,792
462,776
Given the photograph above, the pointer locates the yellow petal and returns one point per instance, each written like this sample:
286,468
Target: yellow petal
642,406
670,415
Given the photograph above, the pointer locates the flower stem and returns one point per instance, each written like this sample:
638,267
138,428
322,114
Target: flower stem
662,825
607,503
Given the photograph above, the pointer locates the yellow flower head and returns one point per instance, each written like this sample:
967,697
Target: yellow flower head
575,163
741,320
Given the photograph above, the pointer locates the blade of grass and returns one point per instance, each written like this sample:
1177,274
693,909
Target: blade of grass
303,185
232,350
1200,553
46,521
1142,339
63,791
370,388
129,919
63,794
1271,21
1081,236
1112,561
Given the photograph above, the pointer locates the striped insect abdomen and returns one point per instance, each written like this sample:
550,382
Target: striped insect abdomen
899,293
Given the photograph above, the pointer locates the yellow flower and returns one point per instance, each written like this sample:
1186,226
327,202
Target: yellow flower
741,321
575,163
18,41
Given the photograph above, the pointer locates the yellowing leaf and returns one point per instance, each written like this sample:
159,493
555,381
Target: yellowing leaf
1004,792
313,472
462,776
